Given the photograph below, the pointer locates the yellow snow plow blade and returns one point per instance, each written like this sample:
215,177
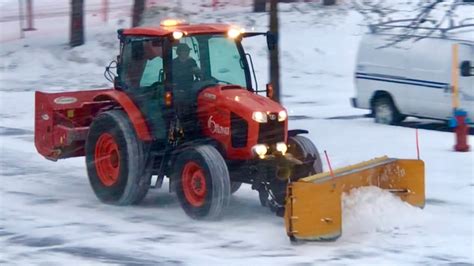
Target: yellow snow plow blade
313,205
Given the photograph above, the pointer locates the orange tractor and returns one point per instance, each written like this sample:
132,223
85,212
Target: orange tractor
185,105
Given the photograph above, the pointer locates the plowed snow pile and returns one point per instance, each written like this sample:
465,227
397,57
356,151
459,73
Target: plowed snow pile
372,210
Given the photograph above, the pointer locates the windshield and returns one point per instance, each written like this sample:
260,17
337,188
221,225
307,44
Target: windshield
225,60
207,57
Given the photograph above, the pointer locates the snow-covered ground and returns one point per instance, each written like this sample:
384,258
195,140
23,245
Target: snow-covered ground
49,215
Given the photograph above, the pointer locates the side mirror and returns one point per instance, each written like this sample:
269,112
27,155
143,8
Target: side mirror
467,69
272,40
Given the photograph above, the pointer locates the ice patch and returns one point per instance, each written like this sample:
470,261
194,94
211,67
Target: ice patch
374,210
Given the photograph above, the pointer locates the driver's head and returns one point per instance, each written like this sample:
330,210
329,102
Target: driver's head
183,50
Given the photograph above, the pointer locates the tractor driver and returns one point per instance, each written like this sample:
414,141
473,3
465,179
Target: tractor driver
185,68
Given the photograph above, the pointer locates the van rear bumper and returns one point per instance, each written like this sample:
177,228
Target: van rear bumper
354,102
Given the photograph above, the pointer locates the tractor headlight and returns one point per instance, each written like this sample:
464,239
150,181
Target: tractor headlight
281,147
260,150
260,117
282,116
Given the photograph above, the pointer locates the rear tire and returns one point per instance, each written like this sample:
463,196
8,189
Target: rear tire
385,111
202,182
116,160
304,150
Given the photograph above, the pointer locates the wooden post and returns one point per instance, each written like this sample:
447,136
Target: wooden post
455,76
20,14
274,54
137,14
77,23
29,16
105,11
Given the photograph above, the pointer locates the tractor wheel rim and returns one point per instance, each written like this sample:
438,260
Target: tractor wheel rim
107,159
194,184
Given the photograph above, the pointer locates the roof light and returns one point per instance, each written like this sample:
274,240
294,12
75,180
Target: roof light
177,35
172,22
234,32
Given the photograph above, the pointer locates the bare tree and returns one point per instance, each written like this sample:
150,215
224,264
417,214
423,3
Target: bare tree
419,23
274,53
137,13
77,23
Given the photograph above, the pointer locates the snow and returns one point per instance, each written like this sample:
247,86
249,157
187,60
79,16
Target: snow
49,215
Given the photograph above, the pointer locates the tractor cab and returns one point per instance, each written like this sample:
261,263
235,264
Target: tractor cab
168,66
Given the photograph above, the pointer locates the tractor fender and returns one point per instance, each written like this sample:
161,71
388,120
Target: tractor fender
295,132
133,113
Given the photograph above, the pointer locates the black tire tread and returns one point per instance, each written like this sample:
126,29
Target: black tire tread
138,181
309,152
219,174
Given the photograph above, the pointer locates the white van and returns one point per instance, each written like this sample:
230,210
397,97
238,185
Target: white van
413,78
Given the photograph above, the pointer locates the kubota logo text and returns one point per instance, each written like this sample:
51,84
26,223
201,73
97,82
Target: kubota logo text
216,128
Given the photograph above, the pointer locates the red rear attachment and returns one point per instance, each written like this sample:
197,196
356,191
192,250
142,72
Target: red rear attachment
62,121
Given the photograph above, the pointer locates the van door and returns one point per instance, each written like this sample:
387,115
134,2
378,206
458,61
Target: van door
382,68
429,75
466,84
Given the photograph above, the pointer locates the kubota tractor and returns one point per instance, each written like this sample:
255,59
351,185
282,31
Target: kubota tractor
185,105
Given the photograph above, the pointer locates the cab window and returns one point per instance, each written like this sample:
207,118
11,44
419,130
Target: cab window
142,63
225,61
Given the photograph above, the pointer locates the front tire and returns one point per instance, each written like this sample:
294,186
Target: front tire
304,150
202,182
116,160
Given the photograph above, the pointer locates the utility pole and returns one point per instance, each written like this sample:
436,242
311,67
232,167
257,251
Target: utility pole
274,53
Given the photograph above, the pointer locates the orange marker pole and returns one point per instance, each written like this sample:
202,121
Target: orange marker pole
417,145
329,164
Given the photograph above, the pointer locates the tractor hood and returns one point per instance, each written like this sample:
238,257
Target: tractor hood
228,115
238,99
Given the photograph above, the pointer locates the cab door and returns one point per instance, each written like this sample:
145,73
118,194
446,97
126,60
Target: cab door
142,77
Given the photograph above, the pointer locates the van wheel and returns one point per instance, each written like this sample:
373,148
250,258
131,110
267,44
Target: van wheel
385,112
